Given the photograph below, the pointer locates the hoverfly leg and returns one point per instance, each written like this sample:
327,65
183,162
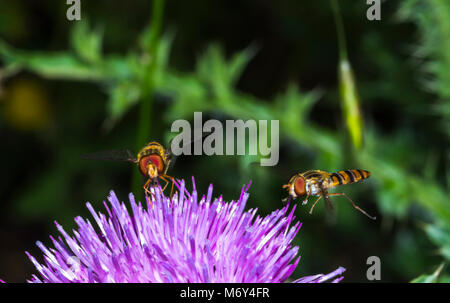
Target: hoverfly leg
311,210
148,192
287,199
353,203
306,200
172,181
165,185
146,186
163,177
150,195
171,188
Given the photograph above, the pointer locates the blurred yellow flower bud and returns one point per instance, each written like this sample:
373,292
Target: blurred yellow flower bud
25,105
350,103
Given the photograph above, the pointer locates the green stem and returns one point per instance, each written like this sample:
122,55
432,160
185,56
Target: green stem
146,110
349,97
340,30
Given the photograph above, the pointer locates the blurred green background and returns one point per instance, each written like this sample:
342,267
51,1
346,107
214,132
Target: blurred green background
128,69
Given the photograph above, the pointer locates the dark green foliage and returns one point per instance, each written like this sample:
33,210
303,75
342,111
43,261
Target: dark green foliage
402,143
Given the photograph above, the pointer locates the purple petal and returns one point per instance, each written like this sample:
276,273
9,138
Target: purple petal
178,239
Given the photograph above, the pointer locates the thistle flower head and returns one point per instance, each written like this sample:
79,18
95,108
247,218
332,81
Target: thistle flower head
178,239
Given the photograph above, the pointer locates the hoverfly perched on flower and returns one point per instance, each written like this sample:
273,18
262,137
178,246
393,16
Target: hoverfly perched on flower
317,183
153,161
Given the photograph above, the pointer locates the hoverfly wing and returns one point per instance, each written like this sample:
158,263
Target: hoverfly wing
169,154
111,155
328,204
331,213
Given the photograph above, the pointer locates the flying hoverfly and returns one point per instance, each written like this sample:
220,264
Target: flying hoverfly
153,161
317,183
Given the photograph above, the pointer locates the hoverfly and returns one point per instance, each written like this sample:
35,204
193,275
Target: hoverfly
153,161
317,183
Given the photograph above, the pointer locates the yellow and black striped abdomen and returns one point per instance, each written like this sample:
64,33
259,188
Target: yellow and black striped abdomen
348,176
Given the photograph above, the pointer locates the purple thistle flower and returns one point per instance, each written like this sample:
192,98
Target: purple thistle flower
176,240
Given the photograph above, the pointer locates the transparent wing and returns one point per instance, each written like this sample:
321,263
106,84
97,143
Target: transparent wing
111,155
328,204
171,157
331,213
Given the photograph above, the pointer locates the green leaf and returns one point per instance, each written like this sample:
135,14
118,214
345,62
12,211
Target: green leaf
238,63
218,72
86,43
123,96
433,278
162,58
439,235
295,106
58,65
432,19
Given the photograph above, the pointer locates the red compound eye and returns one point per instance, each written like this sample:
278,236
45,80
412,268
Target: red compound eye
155,159
299,186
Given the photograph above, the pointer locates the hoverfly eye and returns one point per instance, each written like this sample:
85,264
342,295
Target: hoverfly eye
157,161
151,159
299,186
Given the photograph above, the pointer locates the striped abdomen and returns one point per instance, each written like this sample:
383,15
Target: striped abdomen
348,176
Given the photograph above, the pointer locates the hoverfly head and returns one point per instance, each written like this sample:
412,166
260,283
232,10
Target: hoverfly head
152,170
298,186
